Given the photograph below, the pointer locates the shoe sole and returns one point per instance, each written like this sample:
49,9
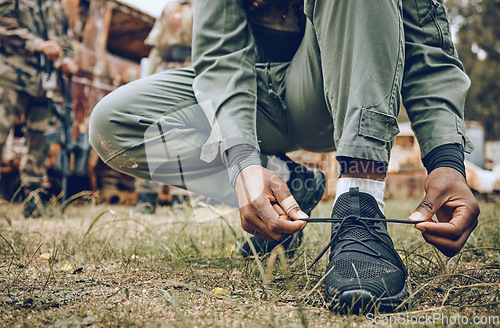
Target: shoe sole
361,302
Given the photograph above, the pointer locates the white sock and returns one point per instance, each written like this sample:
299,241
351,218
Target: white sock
279,167
369,186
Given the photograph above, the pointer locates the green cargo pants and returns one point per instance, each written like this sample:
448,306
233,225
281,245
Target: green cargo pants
341,91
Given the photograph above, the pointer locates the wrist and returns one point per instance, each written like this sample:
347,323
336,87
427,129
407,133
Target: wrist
446,156
238,158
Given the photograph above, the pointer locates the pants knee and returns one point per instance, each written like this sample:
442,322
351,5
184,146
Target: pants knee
101,131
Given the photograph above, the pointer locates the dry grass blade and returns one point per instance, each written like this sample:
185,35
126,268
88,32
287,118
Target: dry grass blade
95,221
18,191
257,259
169,298
10,245
317,284
27,264
463,287
74,197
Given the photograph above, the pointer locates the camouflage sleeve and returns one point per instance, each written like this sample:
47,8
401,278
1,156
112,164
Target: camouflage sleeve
154,34
57,25
11,33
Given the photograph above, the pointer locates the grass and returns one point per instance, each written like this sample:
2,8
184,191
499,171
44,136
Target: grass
100,265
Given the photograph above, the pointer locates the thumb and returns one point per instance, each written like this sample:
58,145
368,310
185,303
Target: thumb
289,204
298,214
426,209
292,209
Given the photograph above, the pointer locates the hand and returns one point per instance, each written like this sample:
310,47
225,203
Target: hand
260,191
449,197
68,66
51,49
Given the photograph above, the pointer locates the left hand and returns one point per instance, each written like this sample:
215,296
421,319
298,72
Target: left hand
258,190
449,197
68,66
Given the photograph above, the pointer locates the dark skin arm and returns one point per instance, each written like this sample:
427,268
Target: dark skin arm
450,199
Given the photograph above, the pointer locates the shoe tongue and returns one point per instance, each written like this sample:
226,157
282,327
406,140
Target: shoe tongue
356,204
354,196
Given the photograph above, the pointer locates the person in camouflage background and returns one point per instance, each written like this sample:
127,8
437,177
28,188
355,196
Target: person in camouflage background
28,30
170,39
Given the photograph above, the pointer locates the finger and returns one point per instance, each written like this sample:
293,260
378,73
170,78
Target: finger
288,203
54,54
266,217
298,214
275,223
289,227
281,213
427,208
66,68
279,210
55,51
255,230
69,67
58,50
74,69
50,55
461,221
447,246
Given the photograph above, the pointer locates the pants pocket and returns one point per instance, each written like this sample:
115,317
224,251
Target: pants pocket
434,21
377,125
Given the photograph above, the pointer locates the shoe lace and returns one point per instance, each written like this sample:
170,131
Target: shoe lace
352,221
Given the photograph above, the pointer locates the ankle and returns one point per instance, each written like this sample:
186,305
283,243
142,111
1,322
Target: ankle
362,168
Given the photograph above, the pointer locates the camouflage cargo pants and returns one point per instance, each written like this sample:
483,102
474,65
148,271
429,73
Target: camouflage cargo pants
38,120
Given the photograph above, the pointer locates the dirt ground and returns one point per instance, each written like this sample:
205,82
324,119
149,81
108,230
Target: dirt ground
100,265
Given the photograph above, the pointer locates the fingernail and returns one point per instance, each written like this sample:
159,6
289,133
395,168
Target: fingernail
420,227
302,215
416,216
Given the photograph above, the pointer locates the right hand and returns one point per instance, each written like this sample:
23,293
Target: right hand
448,196
68,66
260,191
51,49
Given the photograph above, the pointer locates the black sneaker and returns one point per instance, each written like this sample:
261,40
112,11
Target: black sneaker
365,273
307,187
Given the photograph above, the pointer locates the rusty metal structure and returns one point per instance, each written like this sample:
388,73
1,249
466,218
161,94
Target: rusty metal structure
109,39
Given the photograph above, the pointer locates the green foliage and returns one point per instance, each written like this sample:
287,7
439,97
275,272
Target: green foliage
479,49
